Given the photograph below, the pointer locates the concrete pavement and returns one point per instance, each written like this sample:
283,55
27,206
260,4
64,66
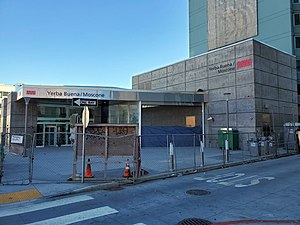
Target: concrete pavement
265,192
56,170
51,169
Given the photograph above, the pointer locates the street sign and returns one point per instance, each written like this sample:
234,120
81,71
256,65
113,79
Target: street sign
85,116
84,102
16,139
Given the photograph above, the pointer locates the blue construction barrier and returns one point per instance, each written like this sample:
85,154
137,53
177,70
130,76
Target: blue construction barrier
161,136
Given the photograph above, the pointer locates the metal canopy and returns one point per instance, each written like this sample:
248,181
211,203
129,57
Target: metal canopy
110,94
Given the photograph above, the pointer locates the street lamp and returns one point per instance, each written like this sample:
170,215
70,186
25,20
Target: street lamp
227,133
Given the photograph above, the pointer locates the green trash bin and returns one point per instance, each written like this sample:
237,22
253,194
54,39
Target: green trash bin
233,138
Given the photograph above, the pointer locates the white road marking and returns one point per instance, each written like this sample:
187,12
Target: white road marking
254,182
77,217
230,179
44,205
214,177
224,178
235,181
139,224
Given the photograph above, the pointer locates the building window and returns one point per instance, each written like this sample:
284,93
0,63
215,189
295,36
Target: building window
296,1
297,42
296,19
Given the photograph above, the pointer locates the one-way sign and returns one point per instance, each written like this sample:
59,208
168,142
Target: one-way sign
84,102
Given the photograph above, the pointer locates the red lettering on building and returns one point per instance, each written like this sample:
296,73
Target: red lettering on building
29,92
244,63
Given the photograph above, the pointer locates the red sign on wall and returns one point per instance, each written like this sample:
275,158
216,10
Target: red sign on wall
244,63
30,92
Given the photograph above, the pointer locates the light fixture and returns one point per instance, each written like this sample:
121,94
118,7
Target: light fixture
210,119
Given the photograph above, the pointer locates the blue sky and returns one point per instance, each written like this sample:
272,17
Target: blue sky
89,42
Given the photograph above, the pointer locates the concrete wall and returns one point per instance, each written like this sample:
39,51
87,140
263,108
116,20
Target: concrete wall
261,80
275,87
230,21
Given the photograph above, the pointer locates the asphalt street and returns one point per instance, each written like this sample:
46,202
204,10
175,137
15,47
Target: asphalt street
266,192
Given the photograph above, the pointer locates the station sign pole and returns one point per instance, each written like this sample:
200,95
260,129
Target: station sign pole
85,122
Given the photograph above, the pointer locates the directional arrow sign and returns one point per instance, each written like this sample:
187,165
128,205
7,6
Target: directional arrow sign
84,102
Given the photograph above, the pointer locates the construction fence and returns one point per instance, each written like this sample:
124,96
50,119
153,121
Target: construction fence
16,158
95,157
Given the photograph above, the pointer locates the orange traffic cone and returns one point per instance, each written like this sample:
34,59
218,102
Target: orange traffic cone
88,171
144,172
127,173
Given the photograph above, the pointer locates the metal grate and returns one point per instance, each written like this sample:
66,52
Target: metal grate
194,221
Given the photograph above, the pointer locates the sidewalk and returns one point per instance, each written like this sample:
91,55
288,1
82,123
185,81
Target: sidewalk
18,193
53,167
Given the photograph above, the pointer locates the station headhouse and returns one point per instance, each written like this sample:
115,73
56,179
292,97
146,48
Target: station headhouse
49,110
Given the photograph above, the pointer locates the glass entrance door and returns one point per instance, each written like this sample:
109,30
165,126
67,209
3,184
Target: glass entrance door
50,135
62,135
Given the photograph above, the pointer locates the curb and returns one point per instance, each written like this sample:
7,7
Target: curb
90,188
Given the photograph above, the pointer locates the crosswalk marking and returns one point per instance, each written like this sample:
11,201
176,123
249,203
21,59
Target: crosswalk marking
77,217
44,205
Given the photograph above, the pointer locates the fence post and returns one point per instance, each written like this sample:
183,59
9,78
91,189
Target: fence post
135,157
139,147
195,164
31,157
2,155
75,157
106,152
201,154
171,157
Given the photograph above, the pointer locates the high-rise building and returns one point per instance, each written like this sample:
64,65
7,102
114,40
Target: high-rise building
217,23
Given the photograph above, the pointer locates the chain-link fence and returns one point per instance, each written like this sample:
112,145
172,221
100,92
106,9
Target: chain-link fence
179,153
16,158
92,156
107,156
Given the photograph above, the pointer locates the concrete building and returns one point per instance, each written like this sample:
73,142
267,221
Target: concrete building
217,23
261,82
5,90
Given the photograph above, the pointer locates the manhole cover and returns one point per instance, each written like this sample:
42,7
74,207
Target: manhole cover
197,192
194,221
